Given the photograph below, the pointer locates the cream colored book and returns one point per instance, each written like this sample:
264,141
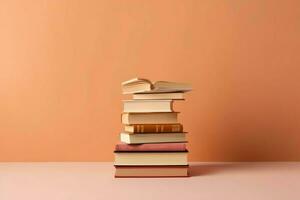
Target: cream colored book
150,118
170,96
144,106
151,158
141,85
152,138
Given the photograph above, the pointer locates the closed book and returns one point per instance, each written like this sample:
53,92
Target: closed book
154,128
143,106
152,138
150,158
151,147
151,171
150,118
171,96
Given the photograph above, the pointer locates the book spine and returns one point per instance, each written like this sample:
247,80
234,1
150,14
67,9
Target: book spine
157,128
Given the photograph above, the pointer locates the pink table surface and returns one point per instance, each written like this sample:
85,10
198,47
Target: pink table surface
74,181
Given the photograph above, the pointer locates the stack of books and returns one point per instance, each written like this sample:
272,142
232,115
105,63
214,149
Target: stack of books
153,143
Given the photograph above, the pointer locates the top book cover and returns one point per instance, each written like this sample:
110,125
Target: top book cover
140,85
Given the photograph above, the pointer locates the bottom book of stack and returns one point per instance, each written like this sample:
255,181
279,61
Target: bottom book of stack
151,160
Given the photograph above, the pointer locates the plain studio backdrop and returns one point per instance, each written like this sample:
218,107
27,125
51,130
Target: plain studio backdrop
62,62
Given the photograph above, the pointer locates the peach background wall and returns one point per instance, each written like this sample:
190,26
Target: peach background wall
62,61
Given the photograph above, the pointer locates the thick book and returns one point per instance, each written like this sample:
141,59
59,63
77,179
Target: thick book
170,96
154,128
143,106
150,158
151,147
149,118
152,138
140,85
151,171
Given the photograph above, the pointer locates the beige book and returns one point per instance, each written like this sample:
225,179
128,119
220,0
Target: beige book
143,106
152,138
171,96
151,158
140,85
149,118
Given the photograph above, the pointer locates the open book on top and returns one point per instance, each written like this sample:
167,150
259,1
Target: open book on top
140,85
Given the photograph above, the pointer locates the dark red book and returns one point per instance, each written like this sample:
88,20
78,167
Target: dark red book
151,147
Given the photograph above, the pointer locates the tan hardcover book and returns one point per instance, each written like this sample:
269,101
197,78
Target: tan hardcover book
154,128
171,96
143,106
152,138
150,158
151,171
149,118
140,85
